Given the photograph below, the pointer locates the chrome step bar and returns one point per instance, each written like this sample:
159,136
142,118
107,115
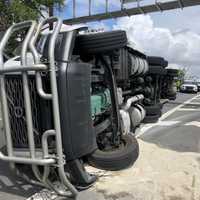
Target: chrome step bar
48,160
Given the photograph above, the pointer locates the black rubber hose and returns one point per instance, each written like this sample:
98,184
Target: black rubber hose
102,126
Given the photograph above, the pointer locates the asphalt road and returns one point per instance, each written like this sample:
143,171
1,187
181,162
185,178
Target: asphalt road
178,130
180,98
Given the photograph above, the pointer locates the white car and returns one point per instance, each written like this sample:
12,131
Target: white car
198,85
189,86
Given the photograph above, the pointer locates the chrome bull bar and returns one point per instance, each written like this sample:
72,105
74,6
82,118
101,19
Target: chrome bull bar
47,160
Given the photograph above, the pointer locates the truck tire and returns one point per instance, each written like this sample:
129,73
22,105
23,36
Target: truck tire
151,118
172,72
117,159
157,61
99,43
172,98
157,70
153,110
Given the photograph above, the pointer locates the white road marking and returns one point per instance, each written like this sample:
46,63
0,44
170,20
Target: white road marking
195,103
167,123
167,114
146,127
193,123
188,109
143,129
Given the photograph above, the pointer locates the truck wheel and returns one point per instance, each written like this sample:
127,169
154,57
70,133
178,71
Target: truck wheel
172,98
116,159
172,72
158,70
98,43
157,61
153,110
151,119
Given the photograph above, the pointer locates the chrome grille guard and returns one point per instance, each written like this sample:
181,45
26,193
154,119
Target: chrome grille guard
48,160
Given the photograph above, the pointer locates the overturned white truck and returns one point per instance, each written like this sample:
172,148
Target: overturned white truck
71,99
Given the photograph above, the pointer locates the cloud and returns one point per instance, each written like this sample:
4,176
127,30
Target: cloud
181,47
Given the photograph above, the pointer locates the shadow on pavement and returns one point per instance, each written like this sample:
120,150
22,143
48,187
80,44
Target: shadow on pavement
13,187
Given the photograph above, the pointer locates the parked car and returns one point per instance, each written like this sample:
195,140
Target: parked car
189,86
198,85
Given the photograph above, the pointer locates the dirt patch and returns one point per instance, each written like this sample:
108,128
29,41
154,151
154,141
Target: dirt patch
116,196
159,174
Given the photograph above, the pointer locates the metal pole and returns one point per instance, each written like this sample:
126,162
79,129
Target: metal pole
90,7
36,57
106,6
27,100
139,7
181,4
122,5
158,5
74,8
56,112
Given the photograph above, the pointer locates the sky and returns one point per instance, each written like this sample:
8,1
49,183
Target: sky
174,35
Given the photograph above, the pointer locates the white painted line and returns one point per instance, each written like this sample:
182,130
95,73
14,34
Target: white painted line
193,123
163,117
167,123
146,127
143,129
188,109
167,114
195,103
